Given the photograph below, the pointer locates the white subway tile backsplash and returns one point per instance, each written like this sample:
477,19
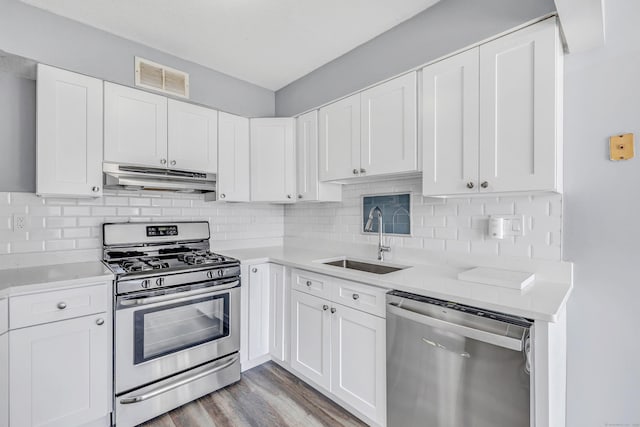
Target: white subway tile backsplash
456,225
55,224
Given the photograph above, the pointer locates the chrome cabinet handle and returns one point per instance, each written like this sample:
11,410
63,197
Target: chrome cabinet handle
470,184
62,305
222,196
355,171
484,184
289,196
100,321
163,161
299,196
325,307
363,170
355,296
173,162
95,189
308,282
255,270
333,310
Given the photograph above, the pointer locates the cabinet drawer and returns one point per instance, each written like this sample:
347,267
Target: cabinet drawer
311,283
4,315
362,297
51,306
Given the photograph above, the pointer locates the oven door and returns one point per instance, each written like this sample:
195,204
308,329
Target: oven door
157,336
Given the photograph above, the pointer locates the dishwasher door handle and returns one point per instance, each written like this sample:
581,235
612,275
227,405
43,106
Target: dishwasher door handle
465,331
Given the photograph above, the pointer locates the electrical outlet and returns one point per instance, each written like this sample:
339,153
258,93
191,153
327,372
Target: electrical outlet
19,222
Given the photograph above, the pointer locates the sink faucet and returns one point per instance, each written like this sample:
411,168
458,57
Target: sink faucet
369,226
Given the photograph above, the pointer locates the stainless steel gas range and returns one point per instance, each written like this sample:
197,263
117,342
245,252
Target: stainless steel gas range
177,317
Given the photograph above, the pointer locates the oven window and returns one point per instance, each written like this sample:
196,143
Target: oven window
171,328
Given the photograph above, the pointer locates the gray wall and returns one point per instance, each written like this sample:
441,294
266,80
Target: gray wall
446,27
34,33
602,235
17,133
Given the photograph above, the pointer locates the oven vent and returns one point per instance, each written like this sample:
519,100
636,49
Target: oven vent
158,77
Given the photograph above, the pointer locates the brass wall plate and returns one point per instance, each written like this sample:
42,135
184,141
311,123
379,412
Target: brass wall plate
621,147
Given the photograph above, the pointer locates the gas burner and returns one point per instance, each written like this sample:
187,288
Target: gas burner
143,264
202,257
156,263
135,265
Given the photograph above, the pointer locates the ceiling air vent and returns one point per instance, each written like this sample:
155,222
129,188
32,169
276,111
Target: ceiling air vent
151,75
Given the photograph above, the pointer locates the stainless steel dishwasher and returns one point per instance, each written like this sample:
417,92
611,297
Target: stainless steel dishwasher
450,365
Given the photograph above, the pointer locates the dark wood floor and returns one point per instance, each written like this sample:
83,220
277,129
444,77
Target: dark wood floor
267,396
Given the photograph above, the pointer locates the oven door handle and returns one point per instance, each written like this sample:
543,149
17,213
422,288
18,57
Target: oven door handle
177,296
174,385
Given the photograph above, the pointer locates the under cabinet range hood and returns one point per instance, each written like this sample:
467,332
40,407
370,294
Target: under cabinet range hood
128,177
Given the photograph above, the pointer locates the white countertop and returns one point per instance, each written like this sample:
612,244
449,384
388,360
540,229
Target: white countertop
17,281
542,300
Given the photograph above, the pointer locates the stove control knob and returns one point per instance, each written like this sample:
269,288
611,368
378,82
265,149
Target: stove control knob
210,274
145,284
159,281
220,273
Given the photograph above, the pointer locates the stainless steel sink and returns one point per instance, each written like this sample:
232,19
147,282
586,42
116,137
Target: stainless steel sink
363,266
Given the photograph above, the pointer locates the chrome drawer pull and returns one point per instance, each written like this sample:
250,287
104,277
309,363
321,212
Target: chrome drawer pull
355,296
62,305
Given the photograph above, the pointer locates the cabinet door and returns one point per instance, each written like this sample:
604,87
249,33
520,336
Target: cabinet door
450,115
69,134
273,161
258,311
307,179
389,127
519,109
359,361
277,310
4,380
311,338
135,126
233,158
340,139
71,355
193,137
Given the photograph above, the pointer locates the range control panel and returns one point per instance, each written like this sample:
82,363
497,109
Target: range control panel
162,230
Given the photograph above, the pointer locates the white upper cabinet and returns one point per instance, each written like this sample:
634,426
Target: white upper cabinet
450,92
520,110
307,179
371,133
340,139
233,158
69,134
273,160
193,137
491,116
389,127
135,126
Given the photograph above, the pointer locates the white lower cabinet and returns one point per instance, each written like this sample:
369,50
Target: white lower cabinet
311,337
60,372
342,350
4,380
277,312
358,364
258,311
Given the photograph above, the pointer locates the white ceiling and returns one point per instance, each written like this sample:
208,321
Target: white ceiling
267,42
